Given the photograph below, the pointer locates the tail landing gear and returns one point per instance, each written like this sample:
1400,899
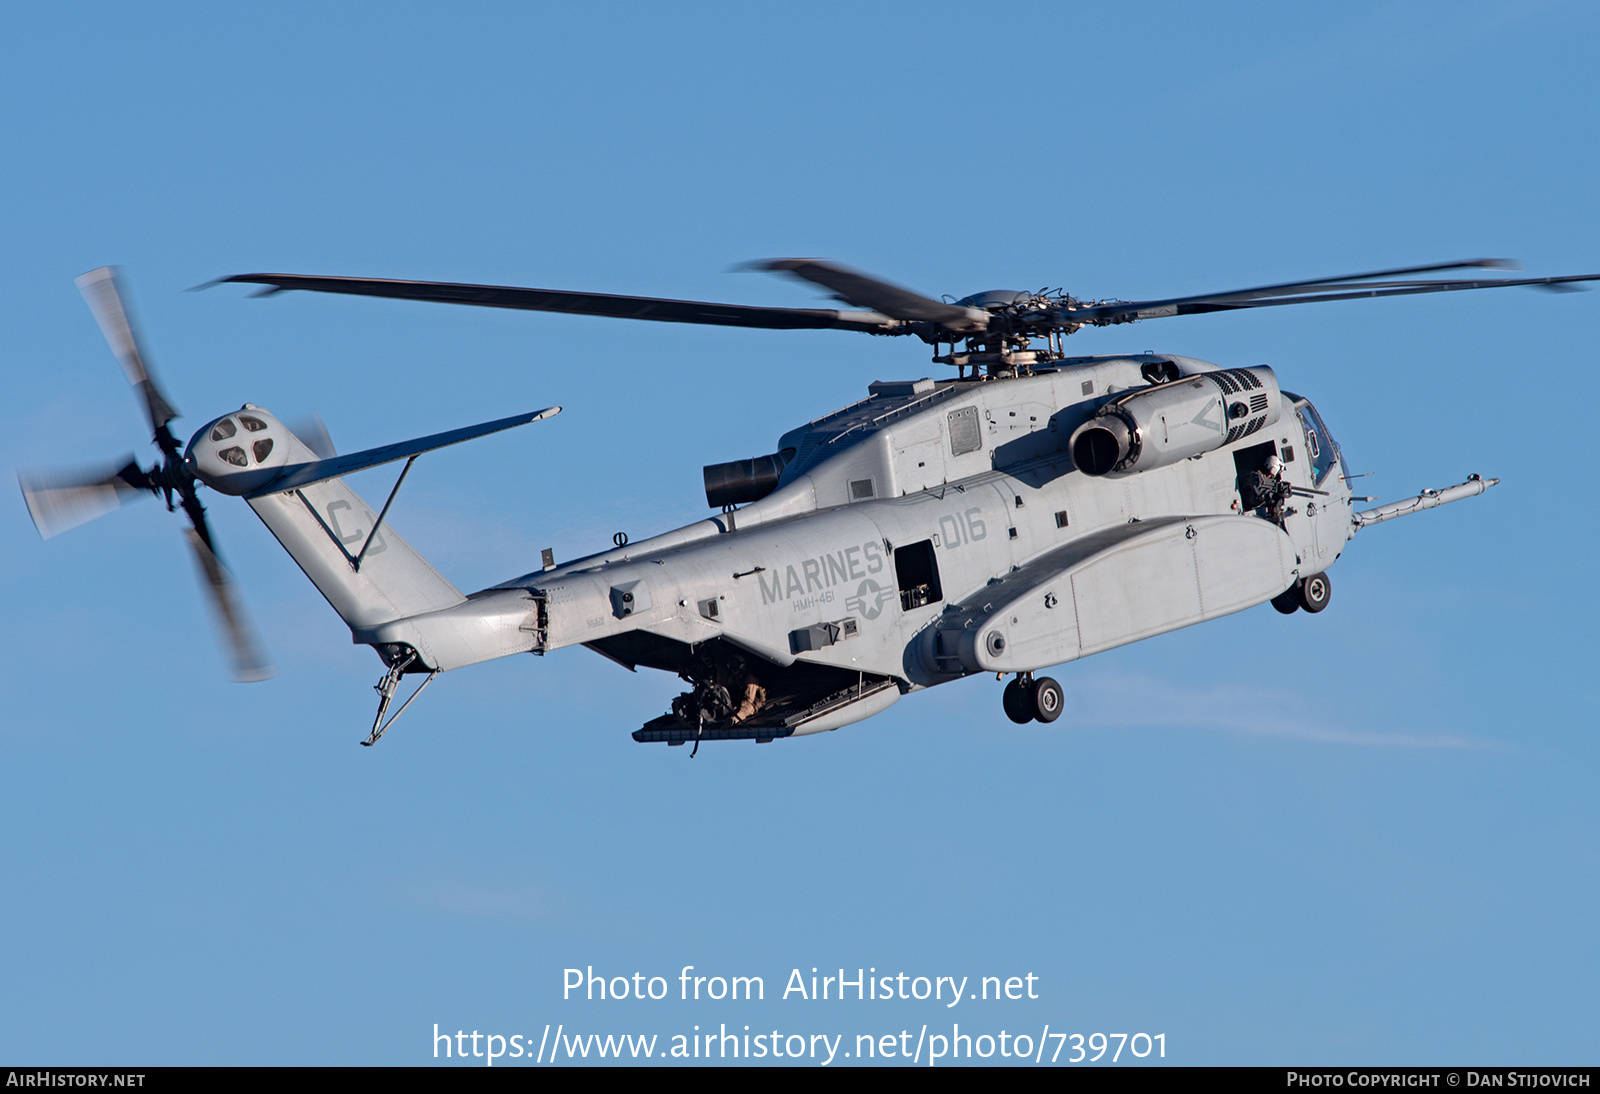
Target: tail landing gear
1026,699
1311,593
398,660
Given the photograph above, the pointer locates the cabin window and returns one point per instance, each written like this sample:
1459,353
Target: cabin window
917,570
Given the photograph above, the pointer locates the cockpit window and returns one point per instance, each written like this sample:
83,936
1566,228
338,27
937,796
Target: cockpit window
263,449
235,456
224,430
1323,451
254,425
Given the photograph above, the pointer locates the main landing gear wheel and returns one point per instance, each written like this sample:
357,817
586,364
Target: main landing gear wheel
1288,601
1018,704
1047,699
1315,592
1026,699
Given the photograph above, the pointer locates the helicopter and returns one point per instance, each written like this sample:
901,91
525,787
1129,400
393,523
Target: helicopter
1034,510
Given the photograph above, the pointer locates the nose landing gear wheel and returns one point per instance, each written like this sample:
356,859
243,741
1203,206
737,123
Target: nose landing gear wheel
1315,592
1018,704
1288,601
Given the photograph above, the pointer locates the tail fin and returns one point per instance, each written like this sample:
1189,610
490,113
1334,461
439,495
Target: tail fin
323,526
381,587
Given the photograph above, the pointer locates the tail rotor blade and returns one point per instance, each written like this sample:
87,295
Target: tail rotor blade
314,432
99,288
59,501
247,662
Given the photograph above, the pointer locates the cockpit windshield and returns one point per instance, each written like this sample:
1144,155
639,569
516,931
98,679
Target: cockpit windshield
1324,452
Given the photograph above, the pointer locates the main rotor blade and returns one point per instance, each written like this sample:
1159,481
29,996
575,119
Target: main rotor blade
1421,287
246,660
581,303
869,292
1291,288
61,500
99,288
1305,292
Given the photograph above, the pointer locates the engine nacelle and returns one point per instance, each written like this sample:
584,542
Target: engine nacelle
239,452
1156,426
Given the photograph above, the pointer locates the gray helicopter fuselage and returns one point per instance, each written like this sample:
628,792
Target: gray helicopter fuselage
937,530
1040,510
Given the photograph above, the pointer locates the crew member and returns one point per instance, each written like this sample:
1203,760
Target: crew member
1270,491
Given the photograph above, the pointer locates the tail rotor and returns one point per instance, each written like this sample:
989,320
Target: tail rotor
60,500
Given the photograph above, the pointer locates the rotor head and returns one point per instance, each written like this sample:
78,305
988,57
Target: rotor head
995,299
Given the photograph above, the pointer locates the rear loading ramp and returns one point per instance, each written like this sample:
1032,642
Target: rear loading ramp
789,700
854,703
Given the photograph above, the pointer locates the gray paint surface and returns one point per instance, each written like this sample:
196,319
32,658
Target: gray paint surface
1037,562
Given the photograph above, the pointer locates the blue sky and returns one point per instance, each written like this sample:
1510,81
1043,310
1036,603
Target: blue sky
1367,836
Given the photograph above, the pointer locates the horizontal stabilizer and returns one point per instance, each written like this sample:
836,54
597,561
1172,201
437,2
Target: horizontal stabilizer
304,474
